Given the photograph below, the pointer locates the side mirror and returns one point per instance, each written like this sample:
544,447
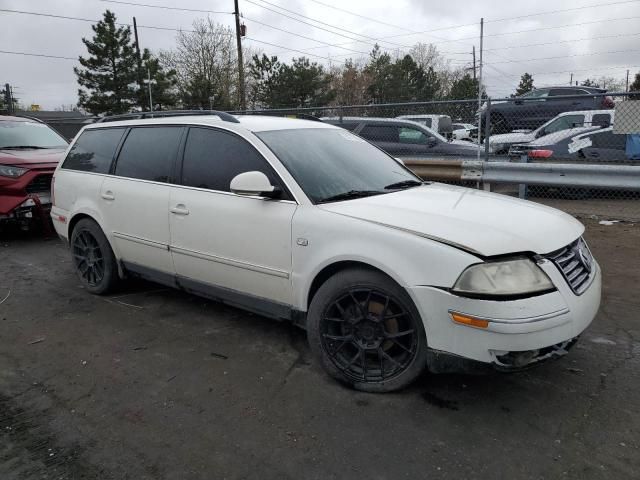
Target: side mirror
431,142
254,184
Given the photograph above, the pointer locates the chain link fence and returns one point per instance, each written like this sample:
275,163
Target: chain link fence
549,126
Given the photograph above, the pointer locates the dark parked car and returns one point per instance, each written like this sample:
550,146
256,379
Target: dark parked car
29,153
531,110
404,138
586,144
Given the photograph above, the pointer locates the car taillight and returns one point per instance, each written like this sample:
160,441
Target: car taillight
540,153
607,102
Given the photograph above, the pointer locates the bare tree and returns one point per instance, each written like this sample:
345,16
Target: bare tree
206,66
350,82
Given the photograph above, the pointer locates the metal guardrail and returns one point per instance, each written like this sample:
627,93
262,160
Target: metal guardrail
624,177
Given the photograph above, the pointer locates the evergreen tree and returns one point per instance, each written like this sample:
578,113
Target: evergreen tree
635,87
163,84
465,88
109,73
265,73
301,84
526,84
379,69
304,84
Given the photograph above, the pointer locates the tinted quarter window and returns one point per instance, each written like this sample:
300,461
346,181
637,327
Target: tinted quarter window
380,133
213,157
94,150
609,140
148,153
601,120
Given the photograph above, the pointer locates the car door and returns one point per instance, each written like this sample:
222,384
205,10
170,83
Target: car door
226,245
606,147
135,199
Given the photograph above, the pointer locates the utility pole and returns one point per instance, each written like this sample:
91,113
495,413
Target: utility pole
138,57
474,63
480,87
242,99
571,81
627,87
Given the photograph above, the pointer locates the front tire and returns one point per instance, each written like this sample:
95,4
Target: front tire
93,258
366,332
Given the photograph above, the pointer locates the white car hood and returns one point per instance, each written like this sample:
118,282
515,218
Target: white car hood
511,138
483,223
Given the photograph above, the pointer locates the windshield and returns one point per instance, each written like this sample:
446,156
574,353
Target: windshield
29,134
329,162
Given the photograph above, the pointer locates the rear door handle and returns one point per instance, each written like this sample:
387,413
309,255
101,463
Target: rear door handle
179,209
108,195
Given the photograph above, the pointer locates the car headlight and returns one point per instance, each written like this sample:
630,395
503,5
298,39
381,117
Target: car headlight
517,276
10,171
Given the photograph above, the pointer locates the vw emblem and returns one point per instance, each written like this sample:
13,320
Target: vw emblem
584,255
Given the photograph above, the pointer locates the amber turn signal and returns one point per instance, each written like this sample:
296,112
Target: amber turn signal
469,321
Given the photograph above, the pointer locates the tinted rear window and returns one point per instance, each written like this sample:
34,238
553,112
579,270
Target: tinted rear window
148,153
94,150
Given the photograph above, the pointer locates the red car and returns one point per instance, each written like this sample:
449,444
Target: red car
29,154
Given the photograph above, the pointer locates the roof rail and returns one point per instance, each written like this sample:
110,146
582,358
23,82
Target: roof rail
224,116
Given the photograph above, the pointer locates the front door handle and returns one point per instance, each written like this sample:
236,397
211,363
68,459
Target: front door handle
179,209
108,195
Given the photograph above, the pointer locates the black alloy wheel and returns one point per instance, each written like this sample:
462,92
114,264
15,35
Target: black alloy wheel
366,332
93,257
88,258
368,335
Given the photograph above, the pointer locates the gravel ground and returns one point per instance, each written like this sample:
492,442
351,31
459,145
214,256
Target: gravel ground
151,383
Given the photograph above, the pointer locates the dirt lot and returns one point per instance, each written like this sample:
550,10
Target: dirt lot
156,384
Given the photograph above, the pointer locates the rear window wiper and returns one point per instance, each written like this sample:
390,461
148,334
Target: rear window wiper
17,147
350,194
403,184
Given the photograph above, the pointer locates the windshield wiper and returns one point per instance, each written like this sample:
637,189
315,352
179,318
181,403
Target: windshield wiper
17,147
403,184
350,194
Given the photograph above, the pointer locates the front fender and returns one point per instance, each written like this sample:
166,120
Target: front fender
409,259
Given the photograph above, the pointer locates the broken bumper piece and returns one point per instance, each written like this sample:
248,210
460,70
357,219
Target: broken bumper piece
515,361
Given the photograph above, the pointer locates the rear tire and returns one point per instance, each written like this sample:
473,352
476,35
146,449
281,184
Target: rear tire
366,332
92,257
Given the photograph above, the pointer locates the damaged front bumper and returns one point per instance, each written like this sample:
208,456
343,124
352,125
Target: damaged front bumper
522,360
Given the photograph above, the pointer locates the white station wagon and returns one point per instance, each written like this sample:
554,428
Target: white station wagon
304,221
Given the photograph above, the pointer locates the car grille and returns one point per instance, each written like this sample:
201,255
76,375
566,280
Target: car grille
576,264
41,183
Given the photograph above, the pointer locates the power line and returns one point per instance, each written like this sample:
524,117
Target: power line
164,7
538,29
370,39
548,12
361,16
303,36
289,49
568,56
562,41
50,15
29,54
